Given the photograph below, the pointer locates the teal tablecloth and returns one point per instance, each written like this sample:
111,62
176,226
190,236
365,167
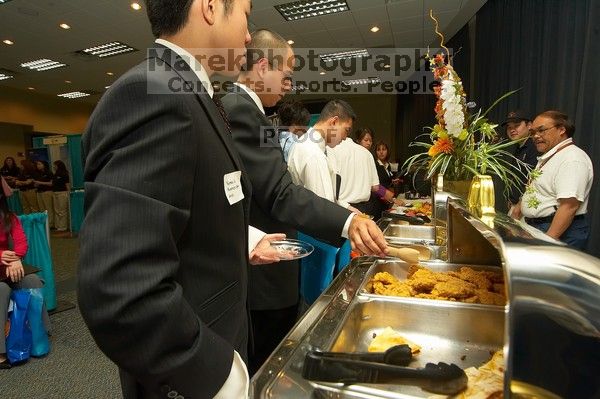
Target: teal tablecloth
76,210
14,203
38,253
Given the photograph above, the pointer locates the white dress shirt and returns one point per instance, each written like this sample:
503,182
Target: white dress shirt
567,174
356,166
309,167
237,384
258,103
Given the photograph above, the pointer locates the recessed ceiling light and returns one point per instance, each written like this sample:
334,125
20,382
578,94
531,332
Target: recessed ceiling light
68,81
4,1
387,66
109,73
375,29
106,87
321,73
290,42
43,64
136,6
64,26
343,55
9,42
310,8
107,49
31,88
73,94
4,76
353,82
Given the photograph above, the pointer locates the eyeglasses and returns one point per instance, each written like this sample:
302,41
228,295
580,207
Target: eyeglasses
540,130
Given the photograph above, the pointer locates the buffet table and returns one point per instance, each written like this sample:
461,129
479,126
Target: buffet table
550,323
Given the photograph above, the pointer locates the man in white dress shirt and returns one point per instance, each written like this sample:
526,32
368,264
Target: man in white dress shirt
308,162
556,198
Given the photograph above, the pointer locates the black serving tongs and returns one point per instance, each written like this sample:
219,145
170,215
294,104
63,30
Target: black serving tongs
441,378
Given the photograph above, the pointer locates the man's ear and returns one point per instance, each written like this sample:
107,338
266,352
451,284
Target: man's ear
262,66
334,120
207,8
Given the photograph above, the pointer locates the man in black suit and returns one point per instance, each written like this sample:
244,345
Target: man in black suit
164,247
277,203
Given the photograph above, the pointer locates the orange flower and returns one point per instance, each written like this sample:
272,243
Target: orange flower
440,73
441,145
437,90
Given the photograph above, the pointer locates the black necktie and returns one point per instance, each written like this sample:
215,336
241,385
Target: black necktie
221,109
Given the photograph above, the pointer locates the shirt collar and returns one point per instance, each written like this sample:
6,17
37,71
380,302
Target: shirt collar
192,62
555,149
252,95
383,164
315,137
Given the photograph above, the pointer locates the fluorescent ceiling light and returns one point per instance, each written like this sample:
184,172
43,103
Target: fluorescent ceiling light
375,29
9,42
43,64
73,94
343,55
4,1
4,76
310,8
290,42
136,6
65,26
354,82
107,49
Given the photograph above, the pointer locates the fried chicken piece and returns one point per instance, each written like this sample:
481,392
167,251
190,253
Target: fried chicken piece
499,289
412,269
423,281
455,288
491,298
384,283
494,277
477,278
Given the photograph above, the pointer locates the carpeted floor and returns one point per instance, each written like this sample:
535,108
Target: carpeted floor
75,367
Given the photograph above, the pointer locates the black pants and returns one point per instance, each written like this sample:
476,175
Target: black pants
268,329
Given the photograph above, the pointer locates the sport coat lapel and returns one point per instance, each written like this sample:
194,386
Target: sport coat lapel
194,85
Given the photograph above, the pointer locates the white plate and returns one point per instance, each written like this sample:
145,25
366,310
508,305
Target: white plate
292,249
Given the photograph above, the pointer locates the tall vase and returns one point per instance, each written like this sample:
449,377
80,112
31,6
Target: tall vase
482,199
458,187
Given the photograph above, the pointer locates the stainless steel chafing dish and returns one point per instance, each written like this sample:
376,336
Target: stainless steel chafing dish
549,330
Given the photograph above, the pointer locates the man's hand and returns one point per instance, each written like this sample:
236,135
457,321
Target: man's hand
366,237
264,253
15,271
8,257
515,212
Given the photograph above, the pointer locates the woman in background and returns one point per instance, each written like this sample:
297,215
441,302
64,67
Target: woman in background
10,171
60,192
43,182
365,137
12,274
384,168
28,192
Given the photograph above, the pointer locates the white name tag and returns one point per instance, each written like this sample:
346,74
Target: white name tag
233,187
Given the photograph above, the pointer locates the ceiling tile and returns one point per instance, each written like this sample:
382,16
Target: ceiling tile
400,10
360,4
307,25
372,15
336,21
266,17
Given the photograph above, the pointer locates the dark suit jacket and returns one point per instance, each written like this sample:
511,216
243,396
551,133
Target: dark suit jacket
278,205
163,262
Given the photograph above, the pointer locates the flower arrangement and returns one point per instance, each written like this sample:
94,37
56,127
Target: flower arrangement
462,145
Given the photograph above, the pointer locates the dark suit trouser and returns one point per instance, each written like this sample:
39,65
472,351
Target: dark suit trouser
269,327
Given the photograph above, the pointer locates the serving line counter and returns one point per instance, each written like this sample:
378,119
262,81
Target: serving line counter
548,331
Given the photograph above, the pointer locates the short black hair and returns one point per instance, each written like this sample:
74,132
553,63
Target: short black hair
339,108
293,113
560,119
167,17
